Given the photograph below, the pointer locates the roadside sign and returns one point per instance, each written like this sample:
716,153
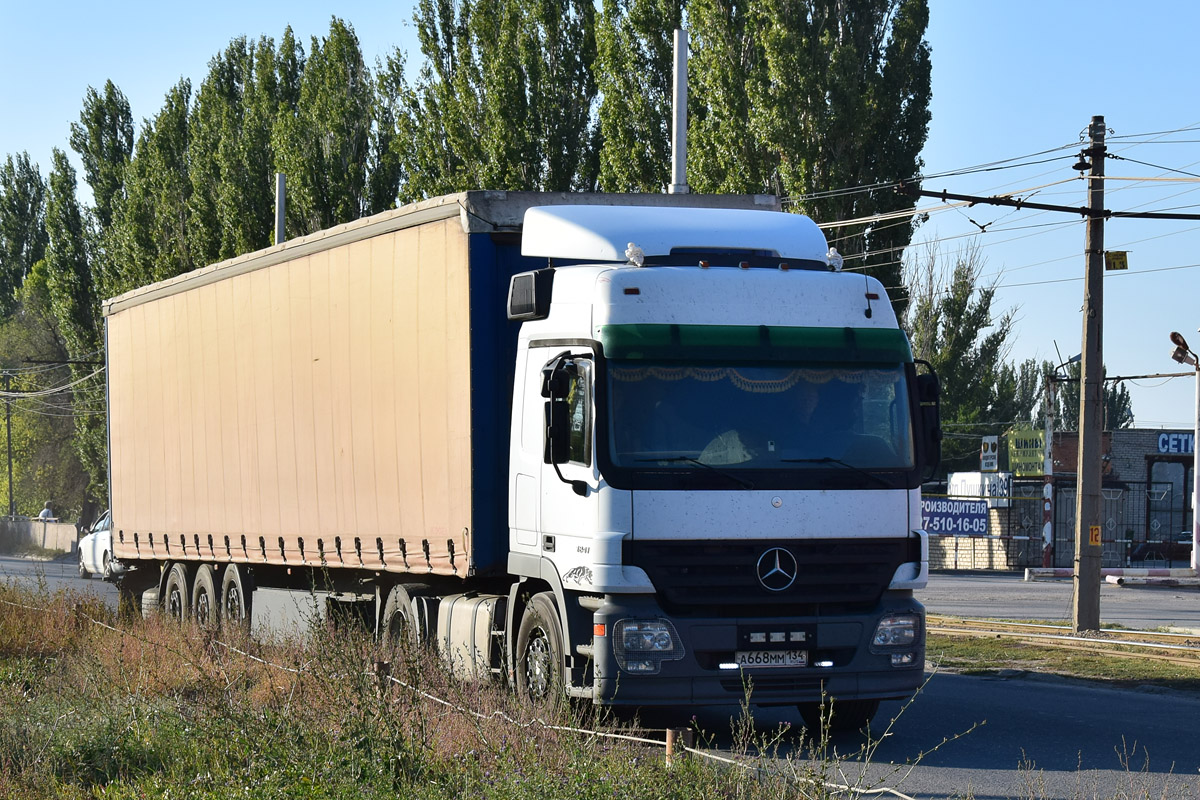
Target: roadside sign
989,454
1094,535
1116,259
1026,451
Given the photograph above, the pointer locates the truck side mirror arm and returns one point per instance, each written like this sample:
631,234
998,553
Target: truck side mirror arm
556,380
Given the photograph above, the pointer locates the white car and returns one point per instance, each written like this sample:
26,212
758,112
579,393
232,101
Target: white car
95,550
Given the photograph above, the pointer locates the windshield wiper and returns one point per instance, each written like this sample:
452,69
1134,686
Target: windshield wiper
839,462
745,484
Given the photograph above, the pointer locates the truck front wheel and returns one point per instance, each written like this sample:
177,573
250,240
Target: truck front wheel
540,651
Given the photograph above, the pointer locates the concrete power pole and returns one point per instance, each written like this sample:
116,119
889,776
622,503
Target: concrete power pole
1088,505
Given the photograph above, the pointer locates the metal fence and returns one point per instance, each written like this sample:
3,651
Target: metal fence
1141,525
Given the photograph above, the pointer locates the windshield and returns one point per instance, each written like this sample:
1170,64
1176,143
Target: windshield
777,417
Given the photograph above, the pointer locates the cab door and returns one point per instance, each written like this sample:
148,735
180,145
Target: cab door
569,477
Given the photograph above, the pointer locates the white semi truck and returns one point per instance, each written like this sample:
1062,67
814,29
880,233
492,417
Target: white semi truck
631,448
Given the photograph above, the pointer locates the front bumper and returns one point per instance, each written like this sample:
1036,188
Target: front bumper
840,661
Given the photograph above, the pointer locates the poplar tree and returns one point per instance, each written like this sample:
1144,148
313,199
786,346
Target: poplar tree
323,144
103,138
952,325
634,68
148,240
505,97
230,158
23,237
76,309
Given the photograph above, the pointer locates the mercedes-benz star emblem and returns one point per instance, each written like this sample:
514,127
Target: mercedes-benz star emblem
777,569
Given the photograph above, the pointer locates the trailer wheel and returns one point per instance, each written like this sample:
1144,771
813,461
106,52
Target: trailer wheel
841,716
175,597
397,628
235,603
540,651
204,598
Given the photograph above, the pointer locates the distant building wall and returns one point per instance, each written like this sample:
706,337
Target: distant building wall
16,532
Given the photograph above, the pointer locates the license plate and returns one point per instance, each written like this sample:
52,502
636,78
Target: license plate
771,658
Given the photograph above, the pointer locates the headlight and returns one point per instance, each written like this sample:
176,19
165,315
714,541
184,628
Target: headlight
641,645
896,631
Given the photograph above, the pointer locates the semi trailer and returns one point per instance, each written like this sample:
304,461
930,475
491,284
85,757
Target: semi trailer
646,450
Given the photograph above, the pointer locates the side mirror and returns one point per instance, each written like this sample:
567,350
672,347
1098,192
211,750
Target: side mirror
929,394
557,434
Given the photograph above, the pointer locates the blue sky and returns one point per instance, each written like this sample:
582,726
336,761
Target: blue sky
1011,78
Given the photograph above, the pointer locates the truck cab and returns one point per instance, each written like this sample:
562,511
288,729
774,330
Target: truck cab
717,448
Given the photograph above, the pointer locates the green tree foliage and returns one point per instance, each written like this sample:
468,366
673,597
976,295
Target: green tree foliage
505,97
103,138
70,294
1116,405
23,235
324,146
149,238
845,103
390,135
952,325
46,464
230,158
800,97
634,62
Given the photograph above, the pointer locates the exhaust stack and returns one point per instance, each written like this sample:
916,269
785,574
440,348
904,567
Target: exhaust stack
679,125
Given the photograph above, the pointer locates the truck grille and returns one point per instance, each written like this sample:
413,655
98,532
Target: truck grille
698,577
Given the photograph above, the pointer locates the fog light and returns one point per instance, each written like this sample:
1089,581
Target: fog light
896,631
902,659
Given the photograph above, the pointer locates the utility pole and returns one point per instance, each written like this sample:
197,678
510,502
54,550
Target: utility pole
12,508
1048,471
1088,507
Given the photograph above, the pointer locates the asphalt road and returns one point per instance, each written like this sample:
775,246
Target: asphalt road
58,575
1008,596
1009,737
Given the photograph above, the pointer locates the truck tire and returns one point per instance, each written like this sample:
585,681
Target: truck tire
235,602
176,598
540,651
397,628
205,606
842,716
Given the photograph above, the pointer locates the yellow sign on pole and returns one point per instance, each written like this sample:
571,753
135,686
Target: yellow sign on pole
1026,451
1116,259
1094,535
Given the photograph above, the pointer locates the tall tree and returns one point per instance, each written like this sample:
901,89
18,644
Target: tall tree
952,325
230,157
844,101
76,309
504,98
23,237
148,240
729,60
634,61
103,138
323,147
390,134
1115,403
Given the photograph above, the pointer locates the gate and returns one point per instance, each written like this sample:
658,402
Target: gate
1135,520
